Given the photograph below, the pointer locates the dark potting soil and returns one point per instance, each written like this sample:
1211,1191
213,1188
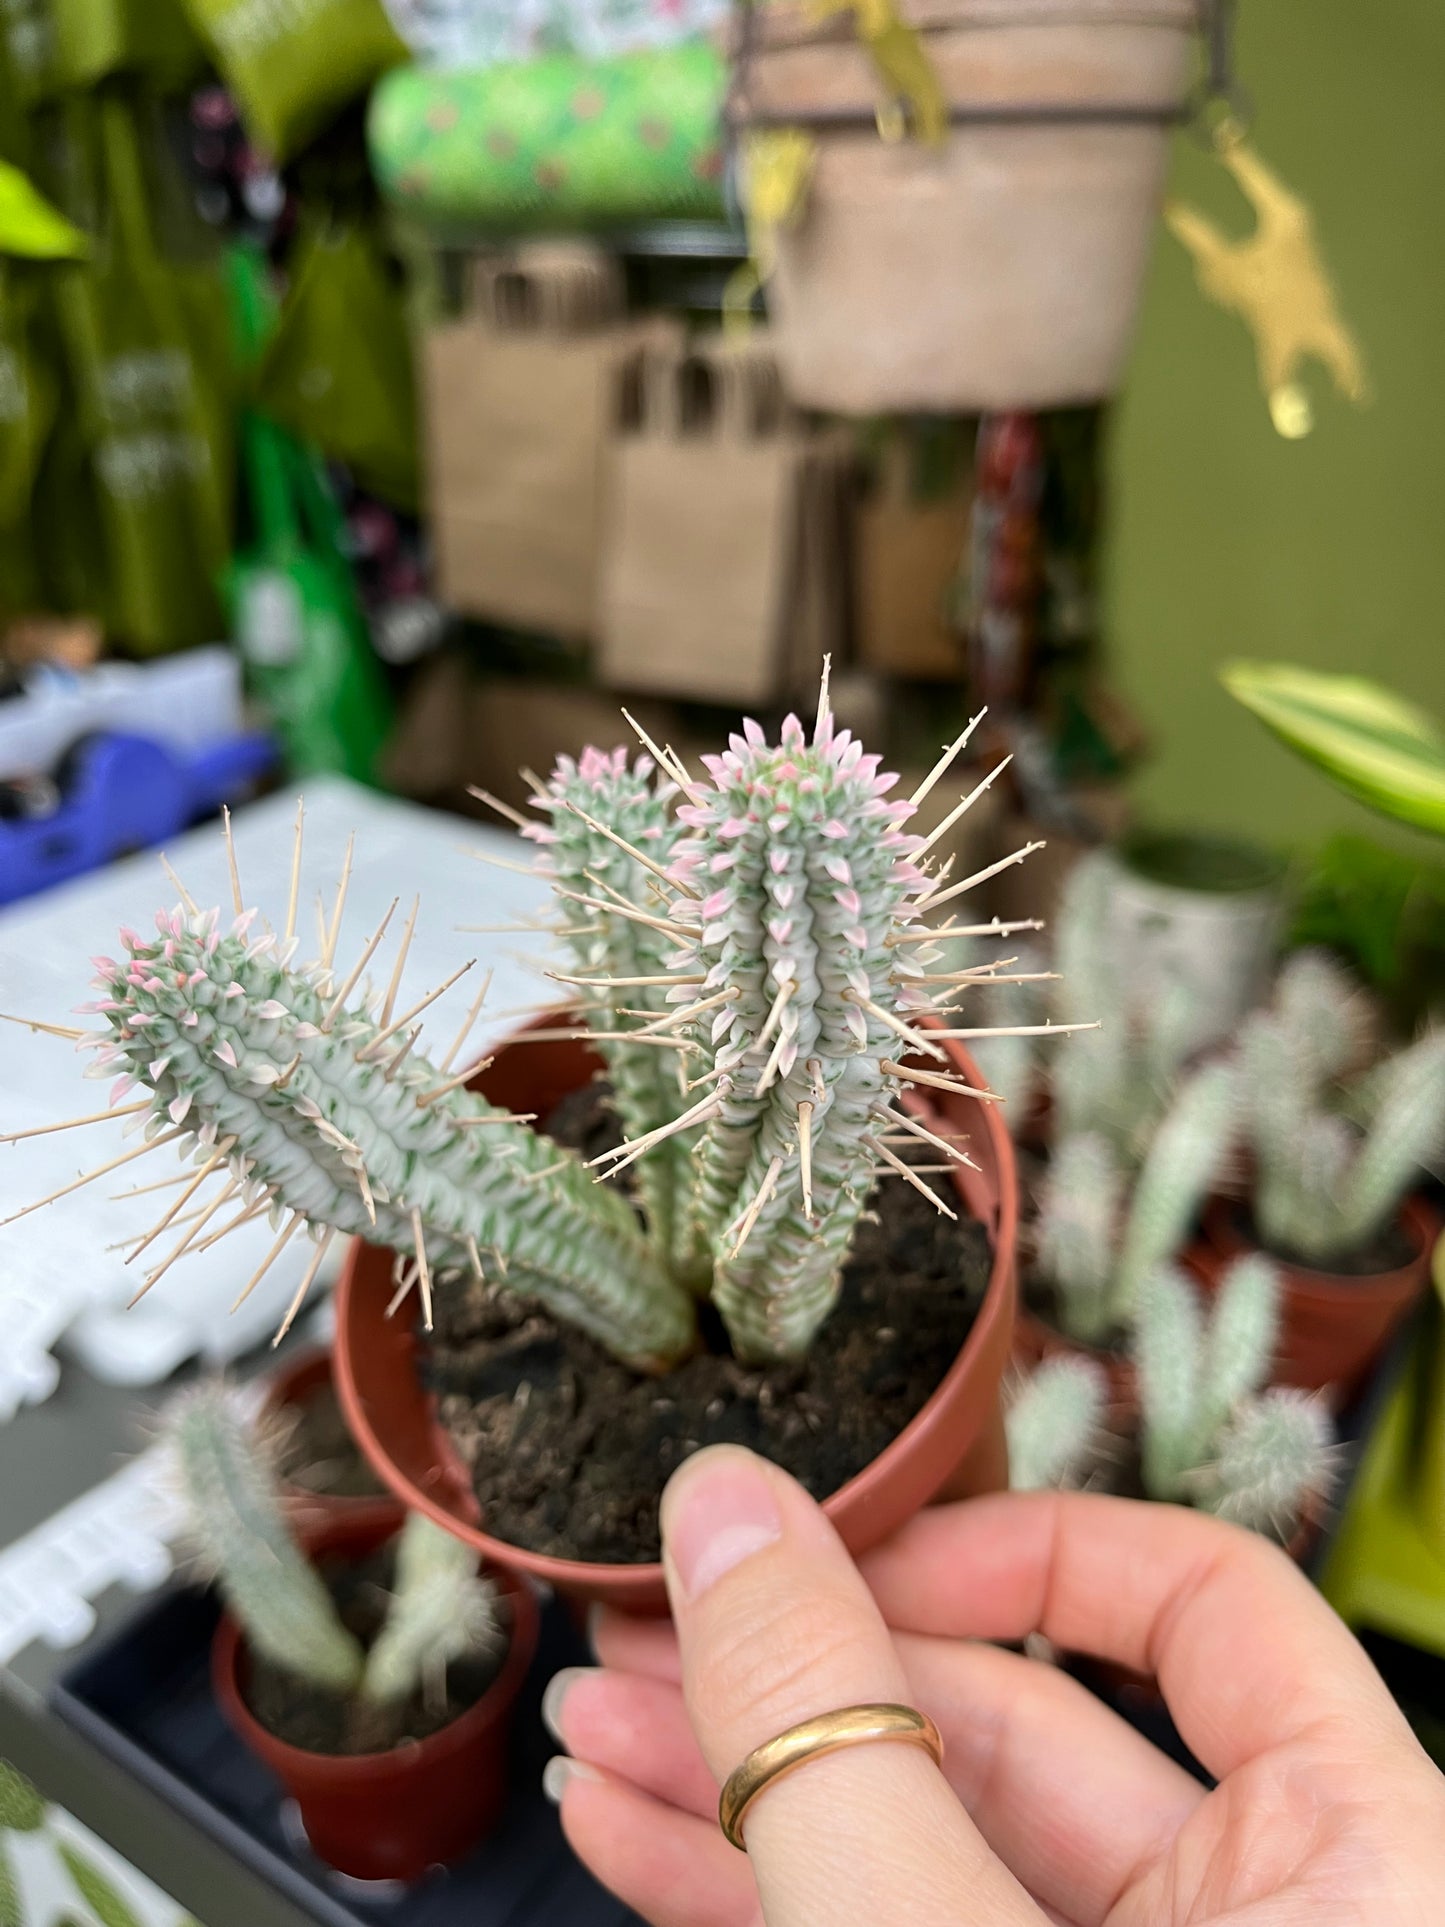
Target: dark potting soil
568,1450
1391,1248
318,1453
318,1721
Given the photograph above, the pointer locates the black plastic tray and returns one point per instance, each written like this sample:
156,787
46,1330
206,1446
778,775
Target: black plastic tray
143,1699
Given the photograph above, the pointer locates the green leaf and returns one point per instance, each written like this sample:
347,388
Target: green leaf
30,226
11,1913
21,1808
1373,744
96,1891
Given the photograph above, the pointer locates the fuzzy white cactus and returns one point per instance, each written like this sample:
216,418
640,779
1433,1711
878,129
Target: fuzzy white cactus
1055,1424
1331,1162
1097,1239
1209,1434
761,965
441,1609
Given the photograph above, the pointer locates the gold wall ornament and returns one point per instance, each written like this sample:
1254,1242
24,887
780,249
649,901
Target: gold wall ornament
777,171
1276,282
915,95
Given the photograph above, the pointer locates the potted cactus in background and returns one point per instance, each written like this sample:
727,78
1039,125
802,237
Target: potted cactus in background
1101,1232
758,979
1334,1161
373,1671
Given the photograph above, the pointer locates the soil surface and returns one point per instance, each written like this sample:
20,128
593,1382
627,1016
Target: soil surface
568,1450
1387,1251
319,1454
318,1721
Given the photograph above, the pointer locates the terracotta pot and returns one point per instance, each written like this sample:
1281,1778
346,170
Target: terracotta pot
1002,270
298,1381
390,1816
1333,1327
954,1447
1035,1340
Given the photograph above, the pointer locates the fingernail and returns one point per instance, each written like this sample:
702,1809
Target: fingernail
559,1773
717,1510
558,1688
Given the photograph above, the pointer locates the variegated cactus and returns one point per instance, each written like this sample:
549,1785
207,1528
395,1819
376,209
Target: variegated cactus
440,1609
755,966
1098,1239
1332,1161
1209,1434
1056,1425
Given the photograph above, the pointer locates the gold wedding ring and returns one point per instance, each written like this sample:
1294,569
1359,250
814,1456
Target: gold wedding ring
828,1733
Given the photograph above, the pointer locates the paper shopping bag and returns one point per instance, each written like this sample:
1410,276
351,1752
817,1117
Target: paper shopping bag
911,539
519,399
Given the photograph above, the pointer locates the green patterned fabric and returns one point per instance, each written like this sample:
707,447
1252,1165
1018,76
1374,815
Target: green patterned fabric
561,142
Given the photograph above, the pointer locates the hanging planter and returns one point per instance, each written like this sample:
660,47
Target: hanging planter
998,267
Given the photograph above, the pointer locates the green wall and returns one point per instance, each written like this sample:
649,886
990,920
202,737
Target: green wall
1226,540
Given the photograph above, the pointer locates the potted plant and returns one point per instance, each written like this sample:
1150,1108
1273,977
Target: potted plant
322,1471
1333,1164
1212,1431
994,259
760,985
373,1671
1101,1231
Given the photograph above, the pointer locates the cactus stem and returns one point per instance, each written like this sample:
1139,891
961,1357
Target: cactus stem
301,1290
896,1025
333,1009
940,768
805,1154
222,1150
962,808
750,1216
100,1171
294,892
936,1081
502,809
283,1238
630,849
906,1171
237,899
978,877
74,1123
68,1031
472,1015
423,1269
388,1003
185,896
333,933
399,1023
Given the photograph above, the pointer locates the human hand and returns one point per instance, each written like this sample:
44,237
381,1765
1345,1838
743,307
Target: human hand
1049,1807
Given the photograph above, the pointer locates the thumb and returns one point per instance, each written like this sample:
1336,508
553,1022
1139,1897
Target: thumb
775,1626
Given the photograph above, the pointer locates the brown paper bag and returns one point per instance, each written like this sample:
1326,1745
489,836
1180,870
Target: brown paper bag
722,564
520,398
910,543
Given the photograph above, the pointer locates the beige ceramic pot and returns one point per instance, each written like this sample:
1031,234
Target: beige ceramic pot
1002,270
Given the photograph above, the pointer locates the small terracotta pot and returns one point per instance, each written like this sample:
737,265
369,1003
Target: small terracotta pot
953,1448
1035,1340
1333,1327
427,1803
291,1388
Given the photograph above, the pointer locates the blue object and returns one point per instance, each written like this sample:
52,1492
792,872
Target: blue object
113,794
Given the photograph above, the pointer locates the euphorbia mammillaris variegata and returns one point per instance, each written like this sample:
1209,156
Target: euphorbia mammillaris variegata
751,953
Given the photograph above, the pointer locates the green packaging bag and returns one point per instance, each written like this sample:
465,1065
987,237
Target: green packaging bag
153,403
338,371
293,65
293,603
561,142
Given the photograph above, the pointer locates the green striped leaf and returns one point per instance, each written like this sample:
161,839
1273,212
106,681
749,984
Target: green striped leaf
96,1891
1377,747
